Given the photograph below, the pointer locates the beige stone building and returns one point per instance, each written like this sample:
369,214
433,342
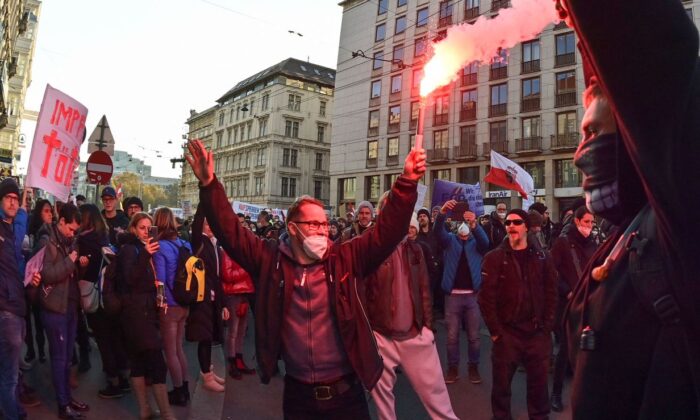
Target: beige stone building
201,126
19,24
528,108
271,135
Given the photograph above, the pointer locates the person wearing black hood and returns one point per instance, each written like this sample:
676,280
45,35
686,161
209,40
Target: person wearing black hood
570,253
116,219
132,205
494,228
433,258
334,233
634,318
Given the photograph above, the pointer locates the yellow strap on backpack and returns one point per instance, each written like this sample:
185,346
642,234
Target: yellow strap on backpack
195,267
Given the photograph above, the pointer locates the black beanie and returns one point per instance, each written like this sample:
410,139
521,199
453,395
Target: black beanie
7,186
131,201
538,207
523,215
425,211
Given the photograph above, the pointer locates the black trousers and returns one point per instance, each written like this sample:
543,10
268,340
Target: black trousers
562,359
37,332
533,352
298,404
108,334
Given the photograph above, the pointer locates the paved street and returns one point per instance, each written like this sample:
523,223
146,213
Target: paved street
249,399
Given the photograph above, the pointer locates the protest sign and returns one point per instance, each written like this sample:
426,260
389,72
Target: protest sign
422,192
448,190
60,130
253,210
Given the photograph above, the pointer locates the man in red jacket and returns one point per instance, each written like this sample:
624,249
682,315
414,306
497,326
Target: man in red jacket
307,299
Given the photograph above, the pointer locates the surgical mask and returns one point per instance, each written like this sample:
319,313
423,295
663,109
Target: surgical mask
314,246
463,229
502,214
585,231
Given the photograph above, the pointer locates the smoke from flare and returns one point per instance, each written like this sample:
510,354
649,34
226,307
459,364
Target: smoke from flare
481,41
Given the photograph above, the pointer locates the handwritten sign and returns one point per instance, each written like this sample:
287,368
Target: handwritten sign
254,210
60,131
446,190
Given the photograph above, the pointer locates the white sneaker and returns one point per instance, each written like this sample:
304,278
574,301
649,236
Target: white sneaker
209,383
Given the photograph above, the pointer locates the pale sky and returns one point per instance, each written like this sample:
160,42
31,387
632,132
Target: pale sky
145,63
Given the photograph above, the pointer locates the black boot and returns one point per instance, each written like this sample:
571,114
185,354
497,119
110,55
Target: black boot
233,369
177,397
556,403
186,390
240,364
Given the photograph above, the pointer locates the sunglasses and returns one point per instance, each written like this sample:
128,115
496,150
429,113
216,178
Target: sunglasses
516,222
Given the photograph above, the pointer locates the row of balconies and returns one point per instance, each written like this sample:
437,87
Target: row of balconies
470,151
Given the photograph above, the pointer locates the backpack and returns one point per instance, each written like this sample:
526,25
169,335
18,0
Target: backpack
109,283
189,282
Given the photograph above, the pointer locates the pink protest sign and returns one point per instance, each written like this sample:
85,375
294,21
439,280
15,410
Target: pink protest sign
60,130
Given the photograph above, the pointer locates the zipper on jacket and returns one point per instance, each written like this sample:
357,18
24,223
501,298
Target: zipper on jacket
307,297
364,315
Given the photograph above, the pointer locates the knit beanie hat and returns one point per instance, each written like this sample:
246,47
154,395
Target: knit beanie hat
424,211
536,218
538,207
523,215
414,221
7,186
131,201
366,204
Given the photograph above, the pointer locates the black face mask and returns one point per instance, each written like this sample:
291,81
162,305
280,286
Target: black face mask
597,158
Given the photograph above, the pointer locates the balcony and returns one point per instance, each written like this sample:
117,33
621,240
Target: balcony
472,13
392,160
374,102
531,66
499,146
439,155
468,114
529,145
565,142
445,21
440,119
498,4
466,151
565,60
498,110
565,99
530,104
371,162
498,73
469,79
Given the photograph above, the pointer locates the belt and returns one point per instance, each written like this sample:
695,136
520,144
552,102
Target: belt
327,390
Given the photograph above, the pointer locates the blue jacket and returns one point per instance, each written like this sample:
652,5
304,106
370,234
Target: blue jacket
11,281
165,262
19,226
476,245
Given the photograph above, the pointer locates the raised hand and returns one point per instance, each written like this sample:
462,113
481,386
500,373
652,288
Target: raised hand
449,205
202,162
414,165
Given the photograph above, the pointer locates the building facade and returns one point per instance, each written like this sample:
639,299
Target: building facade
19,23
272,131
201,126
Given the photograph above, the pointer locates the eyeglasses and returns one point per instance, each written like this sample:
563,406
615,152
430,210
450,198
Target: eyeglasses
314,226
516,222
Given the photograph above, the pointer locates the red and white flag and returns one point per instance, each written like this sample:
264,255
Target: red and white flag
508,174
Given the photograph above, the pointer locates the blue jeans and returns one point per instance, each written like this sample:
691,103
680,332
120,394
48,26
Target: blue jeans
11,338
61,330
460,309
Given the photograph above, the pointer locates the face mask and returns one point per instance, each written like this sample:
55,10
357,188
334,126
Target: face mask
585,231
597,159
314,246
463,229
502,214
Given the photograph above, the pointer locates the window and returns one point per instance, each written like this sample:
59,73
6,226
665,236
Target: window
250,129
415,113
468,175
221,118
499,100
566,123
228,137
376,90
289,187
440,139
419,47
441,110
322,109
230,116
567,175
320,133
469,74
219,139
252,106
392,147
380,32
468,110
422,17
372,187
319,161
242,132
531,56
394,118
238,113
467,135
566,89
497,133
499,66
372,150
265,102
291,129
531,127
260,158
346,188
377,61
441,174
294,103
397,55
389,179
383,7
531,95
285,157
445,14
471,9
262,127
373,123
396,83
318,189
565,45
536,170
400,25
400,3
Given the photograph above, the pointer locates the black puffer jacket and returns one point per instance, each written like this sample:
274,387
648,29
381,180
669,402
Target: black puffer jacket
564,262
495,231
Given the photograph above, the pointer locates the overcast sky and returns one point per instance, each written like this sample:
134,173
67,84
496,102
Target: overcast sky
145,63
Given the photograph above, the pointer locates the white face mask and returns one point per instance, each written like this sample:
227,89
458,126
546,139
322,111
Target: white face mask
463,229
585,231
502,214
314,246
